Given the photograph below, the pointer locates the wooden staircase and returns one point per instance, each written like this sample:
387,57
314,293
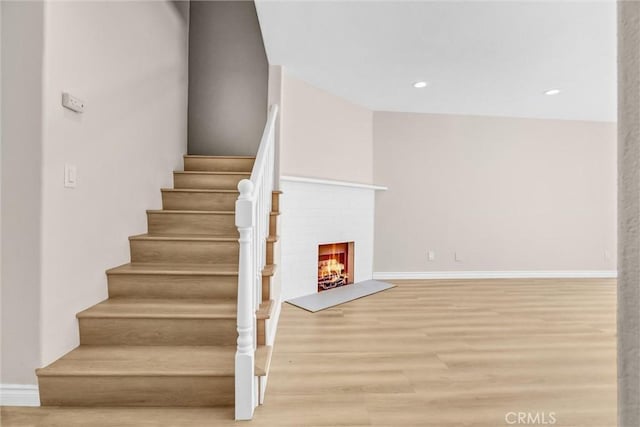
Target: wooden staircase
166,336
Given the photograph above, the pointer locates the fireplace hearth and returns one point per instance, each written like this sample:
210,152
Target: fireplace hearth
335,265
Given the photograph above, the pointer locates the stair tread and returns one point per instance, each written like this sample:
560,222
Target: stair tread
133,308
265,311
206,190
144,361
169,211
161,309
177,269
199,237
214,172
173,211
198,190
183,269
199,156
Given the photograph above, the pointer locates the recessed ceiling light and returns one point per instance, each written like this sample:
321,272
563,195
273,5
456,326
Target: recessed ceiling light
552,92
420,85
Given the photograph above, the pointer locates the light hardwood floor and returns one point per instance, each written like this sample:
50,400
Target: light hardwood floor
436,353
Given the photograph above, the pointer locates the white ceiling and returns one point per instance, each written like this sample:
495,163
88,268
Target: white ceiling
482,58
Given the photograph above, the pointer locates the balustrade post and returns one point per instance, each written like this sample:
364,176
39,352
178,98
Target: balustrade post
245,394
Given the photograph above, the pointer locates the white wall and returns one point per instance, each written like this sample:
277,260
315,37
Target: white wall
324,136
128,62
506,194
22,50
318,213
133,77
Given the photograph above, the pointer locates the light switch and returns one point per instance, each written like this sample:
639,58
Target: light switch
70,176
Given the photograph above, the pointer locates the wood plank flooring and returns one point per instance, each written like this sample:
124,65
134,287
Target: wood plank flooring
431,353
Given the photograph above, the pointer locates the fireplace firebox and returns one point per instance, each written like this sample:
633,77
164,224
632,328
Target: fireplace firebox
335,265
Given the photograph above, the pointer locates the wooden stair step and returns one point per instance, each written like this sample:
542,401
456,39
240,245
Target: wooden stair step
147,248
160,309
189,249
208,180
143,361
140,376
218,163
263,360
211,223
161,322
199,199
266,310
188,281
169,309
183,269
275,200
205,200
198,360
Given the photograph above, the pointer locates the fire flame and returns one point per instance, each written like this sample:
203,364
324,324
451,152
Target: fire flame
330,267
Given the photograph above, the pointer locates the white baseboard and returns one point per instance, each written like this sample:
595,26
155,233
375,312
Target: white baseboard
19,395
560,274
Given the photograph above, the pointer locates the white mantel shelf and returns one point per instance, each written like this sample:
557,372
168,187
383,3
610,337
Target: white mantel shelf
332,182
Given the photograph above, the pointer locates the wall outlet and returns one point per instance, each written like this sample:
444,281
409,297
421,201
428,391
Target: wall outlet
457,256
72,103
431,255
607,255
70,176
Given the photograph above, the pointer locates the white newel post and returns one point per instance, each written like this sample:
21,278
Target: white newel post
244,373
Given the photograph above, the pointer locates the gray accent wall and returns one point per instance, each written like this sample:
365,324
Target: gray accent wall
228,78
628,214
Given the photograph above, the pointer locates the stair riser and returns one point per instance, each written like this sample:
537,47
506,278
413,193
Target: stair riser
172,200
222,225
172,286
217,165
134,331
271,252
194,201
266,288
181,251
108,391
273,225
261,333
207,182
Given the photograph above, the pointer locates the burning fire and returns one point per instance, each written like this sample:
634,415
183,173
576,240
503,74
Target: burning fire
330,267
333,265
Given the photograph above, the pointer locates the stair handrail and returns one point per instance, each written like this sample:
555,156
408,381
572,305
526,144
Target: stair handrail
253,209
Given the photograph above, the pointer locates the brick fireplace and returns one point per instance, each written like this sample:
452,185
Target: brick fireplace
316,212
